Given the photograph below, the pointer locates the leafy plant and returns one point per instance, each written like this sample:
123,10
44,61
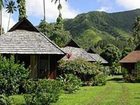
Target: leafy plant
70,83
11,75
99,79
82,69
42,92
5,100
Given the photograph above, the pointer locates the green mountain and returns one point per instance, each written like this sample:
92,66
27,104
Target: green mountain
93,27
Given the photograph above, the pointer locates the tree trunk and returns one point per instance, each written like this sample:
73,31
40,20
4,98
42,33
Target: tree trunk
1,21
9,22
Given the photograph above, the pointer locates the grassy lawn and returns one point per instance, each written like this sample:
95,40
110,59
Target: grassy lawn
116,92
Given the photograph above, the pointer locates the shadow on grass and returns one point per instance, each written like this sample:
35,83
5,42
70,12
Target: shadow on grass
116,79
137,98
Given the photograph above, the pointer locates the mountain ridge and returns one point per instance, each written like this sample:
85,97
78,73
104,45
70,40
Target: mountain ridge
101,26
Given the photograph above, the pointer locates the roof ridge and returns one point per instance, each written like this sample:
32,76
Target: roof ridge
51,42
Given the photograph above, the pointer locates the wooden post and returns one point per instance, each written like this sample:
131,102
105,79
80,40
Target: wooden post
33,66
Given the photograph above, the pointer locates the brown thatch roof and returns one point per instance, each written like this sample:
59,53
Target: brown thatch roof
132,57
75,53
98,58
24,38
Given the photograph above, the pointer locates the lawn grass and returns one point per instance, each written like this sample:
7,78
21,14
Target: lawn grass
18,99
115,92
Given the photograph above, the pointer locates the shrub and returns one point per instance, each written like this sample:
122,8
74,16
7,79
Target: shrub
86,71
115,69
30,86
52,87
99,79
11,75
5,100
70,83
37,99
83,69
128,77
42,92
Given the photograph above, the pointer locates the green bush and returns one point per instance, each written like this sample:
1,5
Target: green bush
115,69
42,92
30,86
5,100
37,99
99,79
84,70
52,87
128,77
70,83
11,75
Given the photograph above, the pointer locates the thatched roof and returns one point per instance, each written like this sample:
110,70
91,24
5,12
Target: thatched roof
75,53
98,58
24,38
132,57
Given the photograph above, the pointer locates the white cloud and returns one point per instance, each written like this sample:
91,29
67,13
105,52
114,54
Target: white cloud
5,18
129,4
103,9
106,5
35,8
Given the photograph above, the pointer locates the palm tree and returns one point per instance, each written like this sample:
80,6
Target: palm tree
22,9
57,1
10,8
44,8
2,2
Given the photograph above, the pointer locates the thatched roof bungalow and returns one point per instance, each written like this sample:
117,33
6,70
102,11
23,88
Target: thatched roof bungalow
30,46
73,51
131,59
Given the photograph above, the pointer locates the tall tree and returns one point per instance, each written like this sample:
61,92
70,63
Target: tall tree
44,8
136,30
22,9
111,53
2,2
59,21
57,1
10,8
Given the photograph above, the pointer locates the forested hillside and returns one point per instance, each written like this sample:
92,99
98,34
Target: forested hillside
100,28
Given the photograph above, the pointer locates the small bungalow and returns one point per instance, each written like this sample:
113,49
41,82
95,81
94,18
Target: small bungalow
73,51
131,59
30,46
97,57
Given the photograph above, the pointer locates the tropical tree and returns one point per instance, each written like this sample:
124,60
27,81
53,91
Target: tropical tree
136,30
46,28
2,2
59,21
22,9
10,8
111,53
57,1
126,51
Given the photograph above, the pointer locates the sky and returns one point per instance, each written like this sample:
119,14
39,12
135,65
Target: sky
70,9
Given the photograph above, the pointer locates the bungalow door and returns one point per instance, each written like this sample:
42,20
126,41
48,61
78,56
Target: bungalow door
43,66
